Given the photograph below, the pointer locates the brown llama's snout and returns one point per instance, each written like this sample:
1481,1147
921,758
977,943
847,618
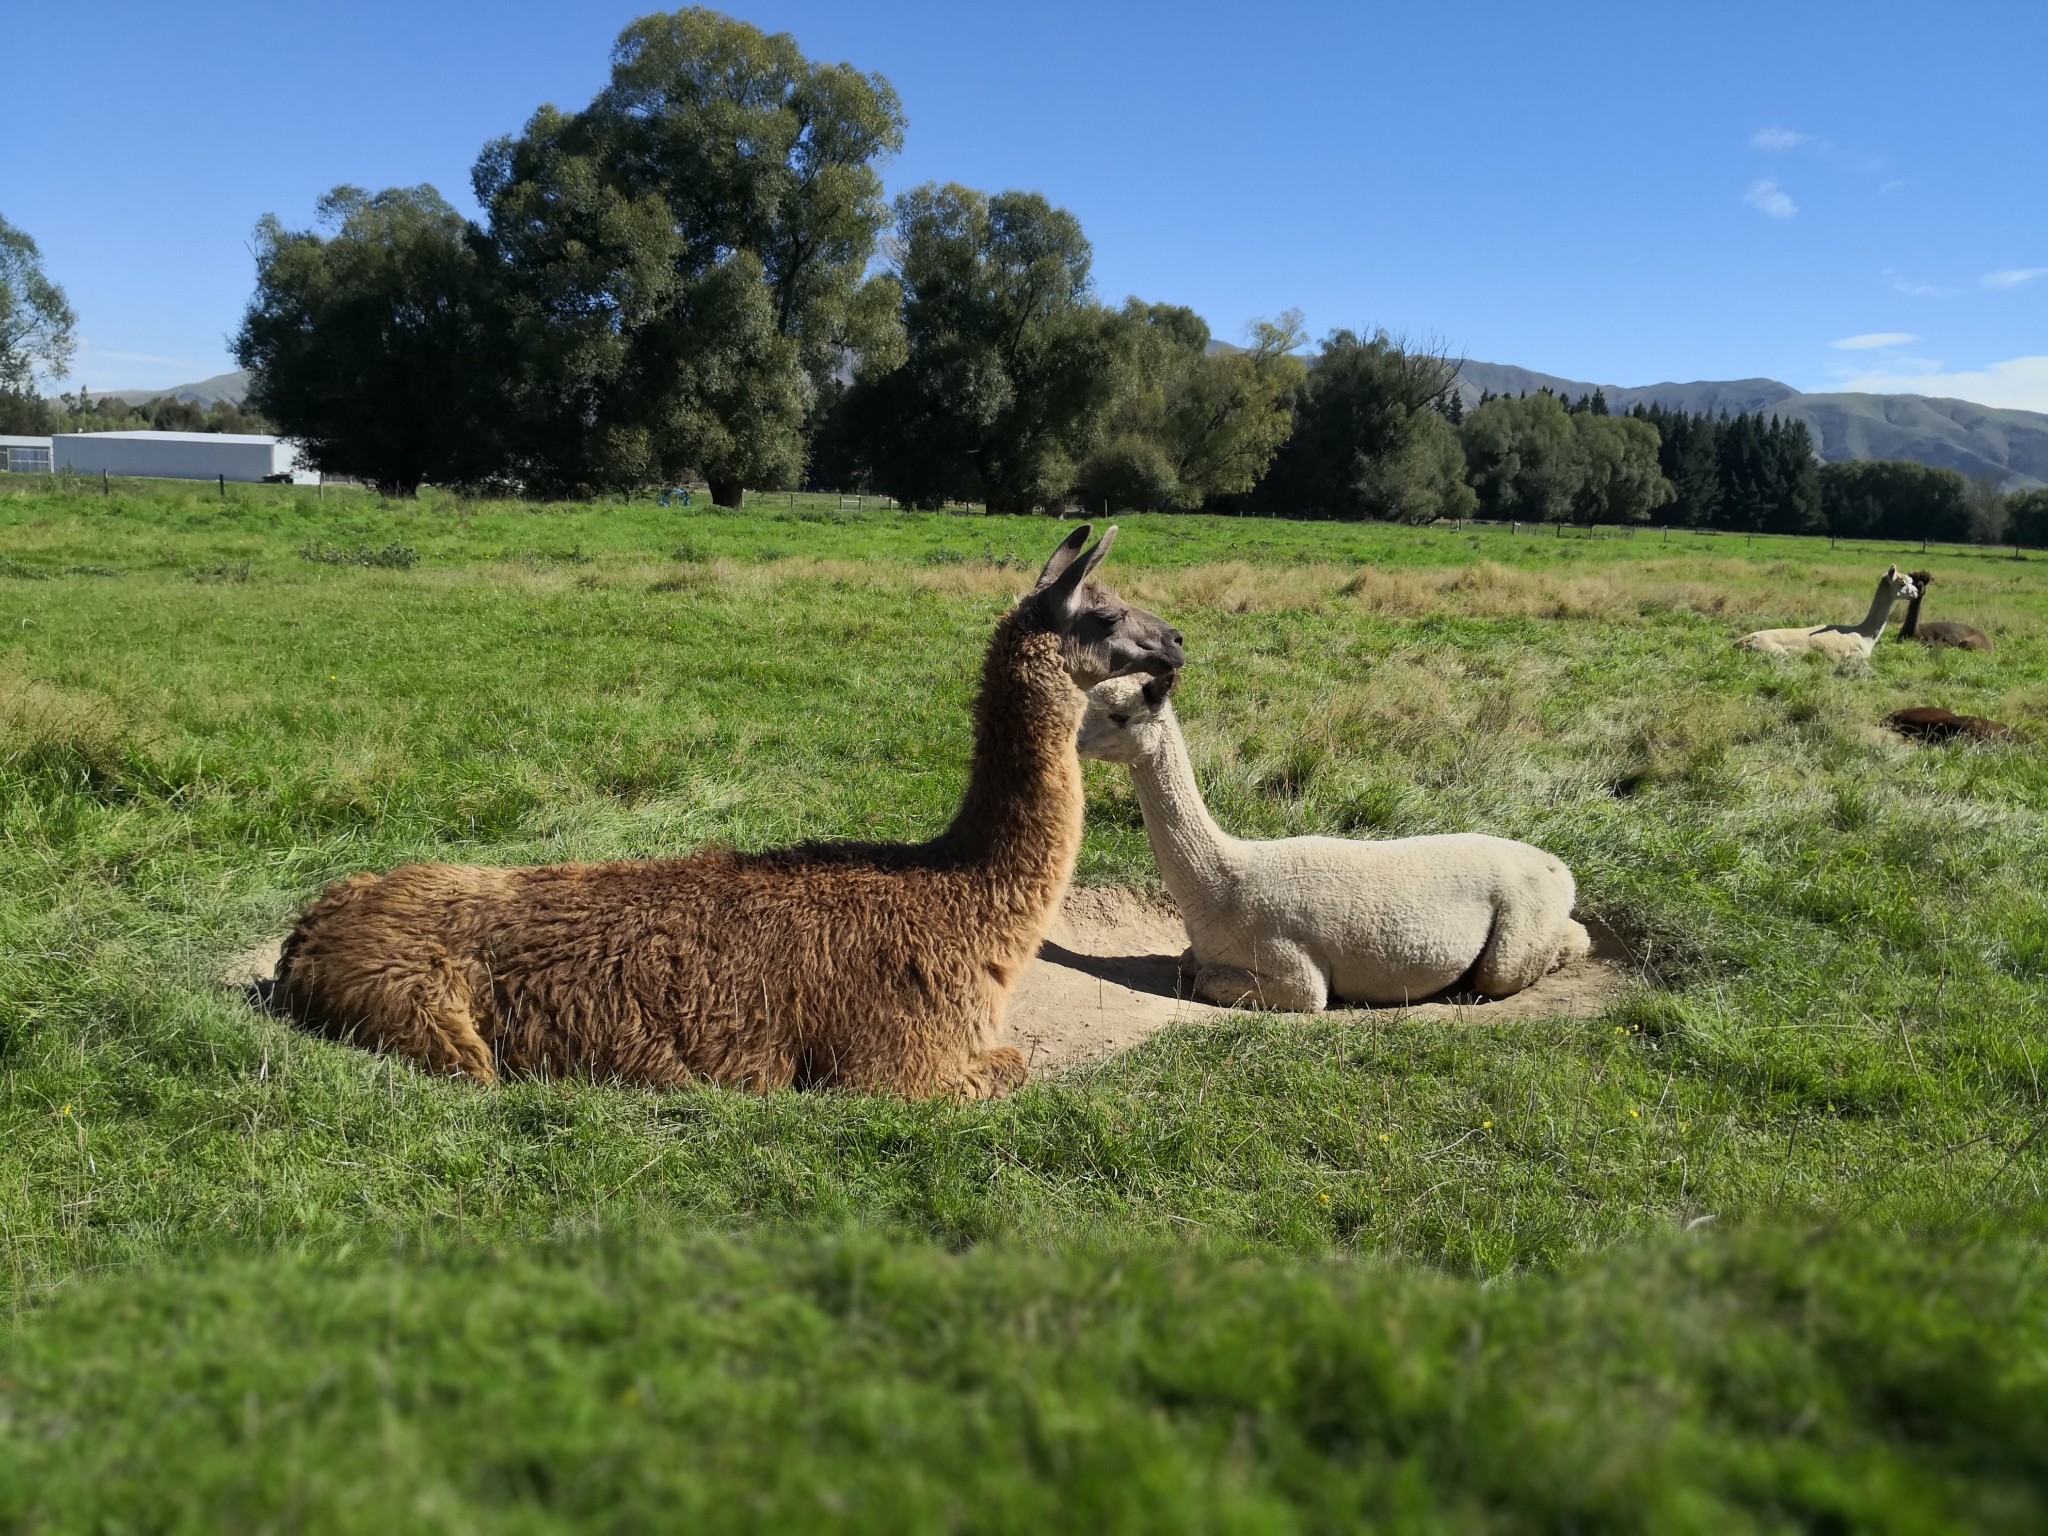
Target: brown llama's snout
1101,636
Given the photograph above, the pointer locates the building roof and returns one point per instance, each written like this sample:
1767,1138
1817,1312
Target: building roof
23,442
178,437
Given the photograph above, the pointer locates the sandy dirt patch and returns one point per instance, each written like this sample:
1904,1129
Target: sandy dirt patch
1108,979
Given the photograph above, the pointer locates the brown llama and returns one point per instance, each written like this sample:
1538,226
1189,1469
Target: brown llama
871,966
1939,631
1925,722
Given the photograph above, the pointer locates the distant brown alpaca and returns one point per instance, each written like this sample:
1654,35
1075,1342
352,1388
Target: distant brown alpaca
1926,723
1939,631
879,966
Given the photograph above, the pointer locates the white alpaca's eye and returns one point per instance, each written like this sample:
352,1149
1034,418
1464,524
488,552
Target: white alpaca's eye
1119,719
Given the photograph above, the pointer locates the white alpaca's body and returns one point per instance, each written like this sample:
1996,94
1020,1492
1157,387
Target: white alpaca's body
1296,923
1838,642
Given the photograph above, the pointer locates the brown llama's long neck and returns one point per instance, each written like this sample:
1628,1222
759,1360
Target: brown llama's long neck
1911,629
1020,821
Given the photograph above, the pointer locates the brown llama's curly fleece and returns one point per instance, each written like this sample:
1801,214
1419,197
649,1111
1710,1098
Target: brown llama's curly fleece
871,966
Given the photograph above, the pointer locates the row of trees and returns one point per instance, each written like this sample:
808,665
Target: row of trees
671,281
30,415
697,274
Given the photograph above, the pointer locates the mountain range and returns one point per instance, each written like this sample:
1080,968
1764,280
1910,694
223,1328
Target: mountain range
1927,429
1953,434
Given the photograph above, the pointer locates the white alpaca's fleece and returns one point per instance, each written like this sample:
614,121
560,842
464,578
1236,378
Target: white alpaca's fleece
1297,923
1841,642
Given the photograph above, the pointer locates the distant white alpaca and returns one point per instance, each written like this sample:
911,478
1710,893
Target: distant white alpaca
1291,925
1842,642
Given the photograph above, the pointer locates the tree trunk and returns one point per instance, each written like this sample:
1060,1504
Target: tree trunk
726,492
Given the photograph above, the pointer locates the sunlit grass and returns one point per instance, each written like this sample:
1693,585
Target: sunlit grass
1754,1178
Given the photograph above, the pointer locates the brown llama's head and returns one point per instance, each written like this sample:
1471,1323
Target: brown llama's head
1920,580
1101,636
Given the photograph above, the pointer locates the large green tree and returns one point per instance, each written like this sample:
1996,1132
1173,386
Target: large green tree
1620,480
1190,426
687,256
1523,458
1369,437
2027,519
375,344
1893,499
36,324
1009,364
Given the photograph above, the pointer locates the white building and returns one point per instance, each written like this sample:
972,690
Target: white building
25,455
244,456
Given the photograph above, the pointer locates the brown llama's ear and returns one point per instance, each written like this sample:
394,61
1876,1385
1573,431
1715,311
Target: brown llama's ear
1063,557
1062,594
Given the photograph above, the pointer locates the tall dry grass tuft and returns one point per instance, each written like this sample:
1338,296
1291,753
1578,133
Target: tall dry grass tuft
56,739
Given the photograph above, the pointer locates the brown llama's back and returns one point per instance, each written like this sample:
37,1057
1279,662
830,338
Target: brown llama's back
852,966
1926,722
1948,632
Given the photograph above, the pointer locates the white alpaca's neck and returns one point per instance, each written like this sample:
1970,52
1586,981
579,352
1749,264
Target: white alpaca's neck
1190,848
1872,627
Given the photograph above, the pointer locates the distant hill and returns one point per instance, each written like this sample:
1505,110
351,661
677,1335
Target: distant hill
231,387
1951,434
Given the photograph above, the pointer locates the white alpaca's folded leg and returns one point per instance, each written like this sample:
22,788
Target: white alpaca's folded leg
1287,981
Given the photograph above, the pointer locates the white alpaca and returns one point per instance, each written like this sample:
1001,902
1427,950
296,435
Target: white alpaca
1842,642
1293,924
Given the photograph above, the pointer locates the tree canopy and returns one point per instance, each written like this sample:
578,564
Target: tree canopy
1889,499
1190,427
36,322
373,344
1522,458
1368,436
686,258
1008,364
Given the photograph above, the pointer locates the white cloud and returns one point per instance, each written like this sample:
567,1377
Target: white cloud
1778,138
1899,283
2012,277
1872,339
1769,197
1891,186
2020,383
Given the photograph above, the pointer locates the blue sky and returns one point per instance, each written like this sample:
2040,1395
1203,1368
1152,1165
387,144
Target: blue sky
1839,195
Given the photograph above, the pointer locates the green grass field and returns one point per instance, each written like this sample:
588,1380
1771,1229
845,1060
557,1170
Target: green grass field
1761,1250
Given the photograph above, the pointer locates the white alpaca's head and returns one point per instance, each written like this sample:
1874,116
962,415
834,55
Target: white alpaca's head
1125,716
1898,584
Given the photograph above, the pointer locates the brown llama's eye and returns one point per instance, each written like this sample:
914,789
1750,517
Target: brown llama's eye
1119,719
